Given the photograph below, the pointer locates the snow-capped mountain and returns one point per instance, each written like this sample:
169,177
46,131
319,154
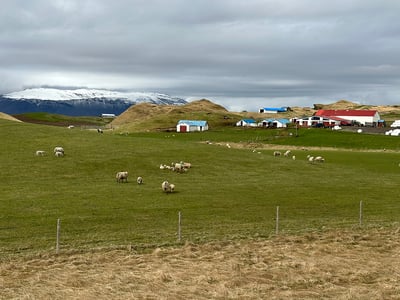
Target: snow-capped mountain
79,102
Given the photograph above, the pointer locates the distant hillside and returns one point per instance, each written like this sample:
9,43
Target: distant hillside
146,116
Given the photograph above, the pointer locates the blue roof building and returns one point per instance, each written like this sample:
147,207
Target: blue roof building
191,125
272,110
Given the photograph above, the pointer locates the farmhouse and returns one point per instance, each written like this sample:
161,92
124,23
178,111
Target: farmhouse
191,126
355,116
274,123
273,110
247,122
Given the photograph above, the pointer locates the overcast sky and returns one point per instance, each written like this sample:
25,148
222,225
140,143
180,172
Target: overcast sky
242,54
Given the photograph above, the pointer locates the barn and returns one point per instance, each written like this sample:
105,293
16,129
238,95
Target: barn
191,125
362,117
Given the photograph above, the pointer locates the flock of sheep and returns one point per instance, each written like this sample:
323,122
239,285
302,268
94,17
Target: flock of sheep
122,176
58,152
166,186
177,167
310,158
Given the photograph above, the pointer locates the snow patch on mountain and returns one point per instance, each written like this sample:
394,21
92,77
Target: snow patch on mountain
53,94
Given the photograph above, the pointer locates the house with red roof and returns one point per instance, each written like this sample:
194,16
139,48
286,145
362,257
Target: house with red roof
362,117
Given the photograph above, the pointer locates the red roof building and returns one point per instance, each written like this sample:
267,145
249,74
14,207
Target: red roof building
358,116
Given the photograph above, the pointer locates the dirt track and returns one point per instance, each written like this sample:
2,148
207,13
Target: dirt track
358,264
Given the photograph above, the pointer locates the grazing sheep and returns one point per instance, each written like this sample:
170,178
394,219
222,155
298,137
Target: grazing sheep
122,176
167,187
99,130
40,153
319,159
178,167
59,149
186,165
286,154
139,180
294,157
71,126
310,158
277,153
59,154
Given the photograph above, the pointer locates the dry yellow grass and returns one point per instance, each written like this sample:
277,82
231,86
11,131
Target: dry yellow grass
358,264
8,117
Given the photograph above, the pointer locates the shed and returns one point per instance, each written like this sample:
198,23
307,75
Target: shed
274,123
108,115
191,125
273,110
247,122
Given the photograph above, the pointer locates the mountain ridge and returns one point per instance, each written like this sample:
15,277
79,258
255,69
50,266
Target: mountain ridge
79,102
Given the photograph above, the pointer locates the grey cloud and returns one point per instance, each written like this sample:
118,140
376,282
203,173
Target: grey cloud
293,49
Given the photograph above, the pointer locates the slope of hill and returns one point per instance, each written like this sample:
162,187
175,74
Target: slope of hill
146,116
8,117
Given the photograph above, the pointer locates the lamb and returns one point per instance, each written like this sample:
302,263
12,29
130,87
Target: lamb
122,176
286,154
139,180
40,153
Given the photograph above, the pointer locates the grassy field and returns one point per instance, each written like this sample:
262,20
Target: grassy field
229,194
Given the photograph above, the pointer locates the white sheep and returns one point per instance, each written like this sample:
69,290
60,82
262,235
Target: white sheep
178,167
319,159
59,149
294,157
277,153
139,180
40,153
186,165
122,176
286,154
59,154
310,158
167,187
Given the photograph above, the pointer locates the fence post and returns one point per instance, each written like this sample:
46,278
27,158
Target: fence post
58,236
179,226
277,221
361,213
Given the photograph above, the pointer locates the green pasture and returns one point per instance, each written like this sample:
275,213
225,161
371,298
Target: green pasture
228,194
